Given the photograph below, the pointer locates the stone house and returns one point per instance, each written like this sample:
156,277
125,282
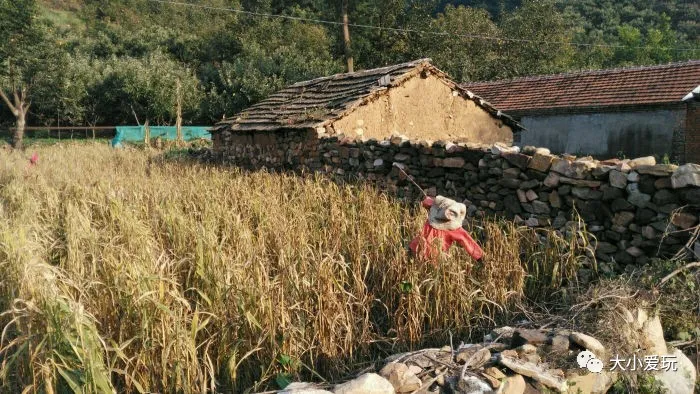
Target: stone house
413,99
634,112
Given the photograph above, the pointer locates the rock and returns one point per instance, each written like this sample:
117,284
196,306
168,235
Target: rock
369,383
638,199
684,220
663,183
397,374
532,222
511,204
401,157
378,163
623,218
686,175
620,204
540,207
605,248
531,184
559,343
521,195
589,343
535,372
517,159
495,373
617,179
398,139
513,385
523,336
473,385
633,176
592,383
453,162
303,388
664,196
576,170
600,171
531,195
580,182
477,359
651,331
510,183
511,172
554,200
648,232
493,382
541,162
610,193
634,251
642,161
526,349
504,333
623,166
500,149
586,193
657,170
681,381
552,180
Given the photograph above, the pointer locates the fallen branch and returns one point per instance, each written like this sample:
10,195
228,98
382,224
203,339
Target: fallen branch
676,272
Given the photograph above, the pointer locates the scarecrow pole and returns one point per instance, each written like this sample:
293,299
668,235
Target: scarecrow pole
346,37
178,119
410,178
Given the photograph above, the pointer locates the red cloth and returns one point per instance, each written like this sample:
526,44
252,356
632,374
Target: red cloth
422,244
34,159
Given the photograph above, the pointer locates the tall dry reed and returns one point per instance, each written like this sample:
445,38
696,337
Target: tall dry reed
128,273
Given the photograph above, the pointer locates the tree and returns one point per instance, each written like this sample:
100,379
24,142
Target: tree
544,48
18,62
464,58
148,85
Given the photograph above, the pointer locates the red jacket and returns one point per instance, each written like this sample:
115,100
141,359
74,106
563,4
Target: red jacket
422,244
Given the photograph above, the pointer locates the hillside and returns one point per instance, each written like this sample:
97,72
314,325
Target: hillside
109,60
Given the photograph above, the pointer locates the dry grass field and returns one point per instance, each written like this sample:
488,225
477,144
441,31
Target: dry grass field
125,271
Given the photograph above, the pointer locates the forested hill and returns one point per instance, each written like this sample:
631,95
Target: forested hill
99,62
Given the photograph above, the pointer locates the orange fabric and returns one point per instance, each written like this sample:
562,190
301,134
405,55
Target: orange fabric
422,245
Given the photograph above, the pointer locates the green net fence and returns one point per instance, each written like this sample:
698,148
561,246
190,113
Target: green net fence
136,133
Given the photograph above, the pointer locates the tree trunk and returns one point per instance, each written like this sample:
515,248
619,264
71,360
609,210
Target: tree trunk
178,119
19,129
19,108
346,38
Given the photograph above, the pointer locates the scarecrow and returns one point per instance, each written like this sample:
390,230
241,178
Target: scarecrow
444,227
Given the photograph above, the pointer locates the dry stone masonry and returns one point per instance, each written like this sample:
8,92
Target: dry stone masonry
636,209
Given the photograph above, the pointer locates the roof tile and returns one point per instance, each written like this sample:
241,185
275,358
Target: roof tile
662,84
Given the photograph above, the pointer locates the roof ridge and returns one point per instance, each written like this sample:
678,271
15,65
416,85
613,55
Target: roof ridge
692,62
368,71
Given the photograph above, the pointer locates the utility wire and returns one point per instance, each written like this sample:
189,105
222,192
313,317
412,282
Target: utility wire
404,30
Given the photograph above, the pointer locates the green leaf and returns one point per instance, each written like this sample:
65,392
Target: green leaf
283,380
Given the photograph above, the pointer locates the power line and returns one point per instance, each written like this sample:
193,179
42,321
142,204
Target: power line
415,31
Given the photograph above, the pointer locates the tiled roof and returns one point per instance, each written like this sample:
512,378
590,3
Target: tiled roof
320,101
646,85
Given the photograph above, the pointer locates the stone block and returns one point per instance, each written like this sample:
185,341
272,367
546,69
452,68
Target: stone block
617,179
686,175
453,162
541,162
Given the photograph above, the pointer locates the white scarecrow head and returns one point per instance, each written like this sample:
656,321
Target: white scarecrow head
446,214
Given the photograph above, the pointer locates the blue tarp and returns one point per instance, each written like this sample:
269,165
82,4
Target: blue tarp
136,133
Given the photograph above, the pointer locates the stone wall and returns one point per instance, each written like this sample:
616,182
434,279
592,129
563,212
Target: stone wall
631,206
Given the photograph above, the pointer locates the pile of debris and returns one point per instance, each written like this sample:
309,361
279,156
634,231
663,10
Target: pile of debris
509,361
